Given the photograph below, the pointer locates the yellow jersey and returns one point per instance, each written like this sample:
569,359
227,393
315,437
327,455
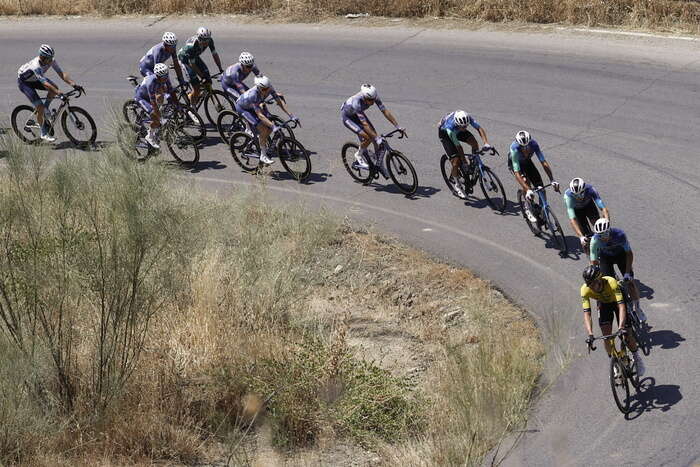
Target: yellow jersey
611,293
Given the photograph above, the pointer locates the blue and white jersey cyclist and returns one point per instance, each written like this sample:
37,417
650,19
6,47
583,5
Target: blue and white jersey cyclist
160,53
453,130
610,247
150,95
31,77
233,78
190,57
582,205
251,105
352,113
524,170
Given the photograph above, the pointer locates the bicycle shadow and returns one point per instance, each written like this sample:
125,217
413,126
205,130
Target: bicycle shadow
421,191
651,397
645,291
665,339
312,178
209,141
575,251
206,165
96,147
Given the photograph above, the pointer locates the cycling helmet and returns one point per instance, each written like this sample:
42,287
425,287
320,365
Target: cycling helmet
262,82
368,91
46,51
160,70
523,138
462,118
246,59
577,186
591,273
601,226
203,33
169,38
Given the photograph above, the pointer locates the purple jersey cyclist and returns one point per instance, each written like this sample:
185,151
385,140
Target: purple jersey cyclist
251,105
152,91
352,112
232,80
160,53
31,78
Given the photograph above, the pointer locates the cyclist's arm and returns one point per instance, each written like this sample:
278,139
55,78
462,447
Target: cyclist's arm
586,304
622,313
389,116
599,203
178,69
64,76
215,54
629,256
588,321
572,215
595,247
282,105
548,169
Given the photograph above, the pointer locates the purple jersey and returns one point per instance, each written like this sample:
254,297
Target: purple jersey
252,98
235,74
156,54
150,87
355,106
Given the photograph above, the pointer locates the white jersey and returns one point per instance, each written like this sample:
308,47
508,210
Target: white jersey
34,71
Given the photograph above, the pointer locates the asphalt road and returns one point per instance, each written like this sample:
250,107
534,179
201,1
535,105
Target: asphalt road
619,112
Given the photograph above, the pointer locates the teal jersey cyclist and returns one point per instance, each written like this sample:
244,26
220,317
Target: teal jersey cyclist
582,207
189,56
453,129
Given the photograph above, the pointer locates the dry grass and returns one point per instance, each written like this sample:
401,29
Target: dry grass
653,14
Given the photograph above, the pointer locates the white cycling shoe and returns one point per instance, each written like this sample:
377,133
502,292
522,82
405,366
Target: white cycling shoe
360,161
48,138
458,187
265,159
150,139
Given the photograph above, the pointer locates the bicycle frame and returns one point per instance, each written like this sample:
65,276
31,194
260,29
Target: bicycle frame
544,204
65,103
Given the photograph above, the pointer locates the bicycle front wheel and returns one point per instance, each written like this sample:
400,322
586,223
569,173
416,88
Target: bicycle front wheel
215,103
286,131
182,146
557,233
245,150
619,385
402,172
347,153
132,111
493,190
24,124
191,123
294,158
79,126
228,123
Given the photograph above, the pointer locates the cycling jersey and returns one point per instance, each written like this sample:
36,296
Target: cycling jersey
611,293
517,155
33,71
156,54
150,87
252,98
193,48
232,80
615,244
356,105
450,127
573,203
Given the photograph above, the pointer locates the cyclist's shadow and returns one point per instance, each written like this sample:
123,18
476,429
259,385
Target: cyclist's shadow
651,397
665,339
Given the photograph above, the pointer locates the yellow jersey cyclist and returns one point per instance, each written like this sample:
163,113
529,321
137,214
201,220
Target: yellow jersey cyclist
610,247
524,170
611,305
30,79
582,205
453,129
189,56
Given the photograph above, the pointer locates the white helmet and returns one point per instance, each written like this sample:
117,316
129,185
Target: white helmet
262,82
601,226
368,91
46,51
577,186
462,118
523,138
169,38
246,58
203,33
160,70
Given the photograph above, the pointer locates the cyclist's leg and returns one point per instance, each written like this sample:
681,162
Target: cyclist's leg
49,95
197,89
257,126
29,90
232,89
193,78
621,261
353,124
533,179
606,313
586,217
450,151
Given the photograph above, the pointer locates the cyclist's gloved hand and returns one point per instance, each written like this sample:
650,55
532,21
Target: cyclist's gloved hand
627,277
622,331
487,146
379,140
555,185
78,87
589,340
530,195
293,117
584,241
275,129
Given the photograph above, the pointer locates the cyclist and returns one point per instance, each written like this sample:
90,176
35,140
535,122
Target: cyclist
30,79
196,69
232,80
150,94
609,247
606,291
159,53
452,129
251,105
582,204
353,115
524,170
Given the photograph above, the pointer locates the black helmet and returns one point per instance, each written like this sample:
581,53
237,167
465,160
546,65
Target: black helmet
591,273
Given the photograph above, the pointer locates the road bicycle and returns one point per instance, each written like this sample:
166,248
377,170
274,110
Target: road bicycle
399,168
490,184
76,122
245,150
230,122
623,370
639,329
213,100
545,219
131,138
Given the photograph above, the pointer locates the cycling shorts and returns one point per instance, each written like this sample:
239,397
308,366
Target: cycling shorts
607,264
586,217
30,89
233,89
193,76
532,175
463,135
353,123
607,312
252,117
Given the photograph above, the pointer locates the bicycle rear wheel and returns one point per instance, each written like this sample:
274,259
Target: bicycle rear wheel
493,190
534,228
79,126
245,150
347,154
620,386
182,146
215,103
446,169
402,172
294,158
24,124
228,123
557,233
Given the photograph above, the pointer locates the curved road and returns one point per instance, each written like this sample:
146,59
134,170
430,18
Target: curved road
620,112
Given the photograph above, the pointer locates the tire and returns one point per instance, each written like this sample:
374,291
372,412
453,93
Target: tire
294,158
132,111
493,190
402,172
131,140
347,154
191,123
228,123
621,387
24,124
182,147
286,131
631,369
534,228
245,151
446,169
557,233
215,103
79,126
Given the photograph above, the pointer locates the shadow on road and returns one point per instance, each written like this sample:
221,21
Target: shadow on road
312,179
421,191
207,165
98,146
652,397
209,141
665,339
645,291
